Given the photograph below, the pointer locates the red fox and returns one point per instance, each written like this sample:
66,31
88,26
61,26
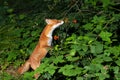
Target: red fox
42,47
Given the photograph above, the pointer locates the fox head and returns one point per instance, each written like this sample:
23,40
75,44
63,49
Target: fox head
54,22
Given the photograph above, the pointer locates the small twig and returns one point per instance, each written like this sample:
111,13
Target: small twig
115,8
108,22
70,8
99,13
79,10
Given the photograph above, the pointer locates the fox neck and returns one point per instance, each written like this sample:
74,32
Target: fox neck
51,31
49,35
53,28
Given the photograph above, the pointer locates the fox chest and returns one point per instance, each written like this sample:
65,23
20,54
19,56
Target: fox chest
49,41
49,35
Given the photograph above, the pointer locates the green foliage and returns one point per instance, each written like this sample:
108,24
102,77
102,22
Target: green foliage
87,48
105,36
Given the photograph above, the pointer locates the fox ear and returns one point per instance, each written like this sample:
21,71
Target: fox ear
47,21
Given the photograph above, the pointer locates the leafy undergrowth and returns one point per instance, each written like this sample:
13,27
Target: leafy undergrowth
85,47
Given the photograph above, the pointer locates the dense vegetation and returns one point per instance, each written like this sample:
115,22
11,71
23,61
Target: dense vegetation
88,47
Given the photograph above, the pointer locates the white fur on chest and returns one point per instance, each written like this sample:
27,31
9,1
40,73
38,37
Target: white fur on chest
51,31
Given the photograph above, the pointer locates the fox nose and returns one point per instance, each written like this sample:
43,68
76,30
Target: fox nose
62,22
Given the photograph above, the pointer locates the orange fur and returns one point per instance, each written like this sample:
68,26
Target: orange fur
41,49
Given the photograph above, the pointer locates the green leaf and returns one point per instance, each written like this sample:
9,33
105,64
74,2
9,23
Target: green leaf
72,52
97,60
70,70
10,10
79,78
58,59
102,76
94,67
117,62
97,48
41,69
12,56
46,76
117,76
28,75
22,16
116,17
70,58
62,69
116,69
84,48
88,26
34,33
98,20
51,69
98,28
106,2
105,36
107,58
92,48
114,50
73,37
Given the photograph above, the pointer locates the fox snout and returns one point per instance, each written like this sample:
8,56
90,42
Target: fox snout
62,22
